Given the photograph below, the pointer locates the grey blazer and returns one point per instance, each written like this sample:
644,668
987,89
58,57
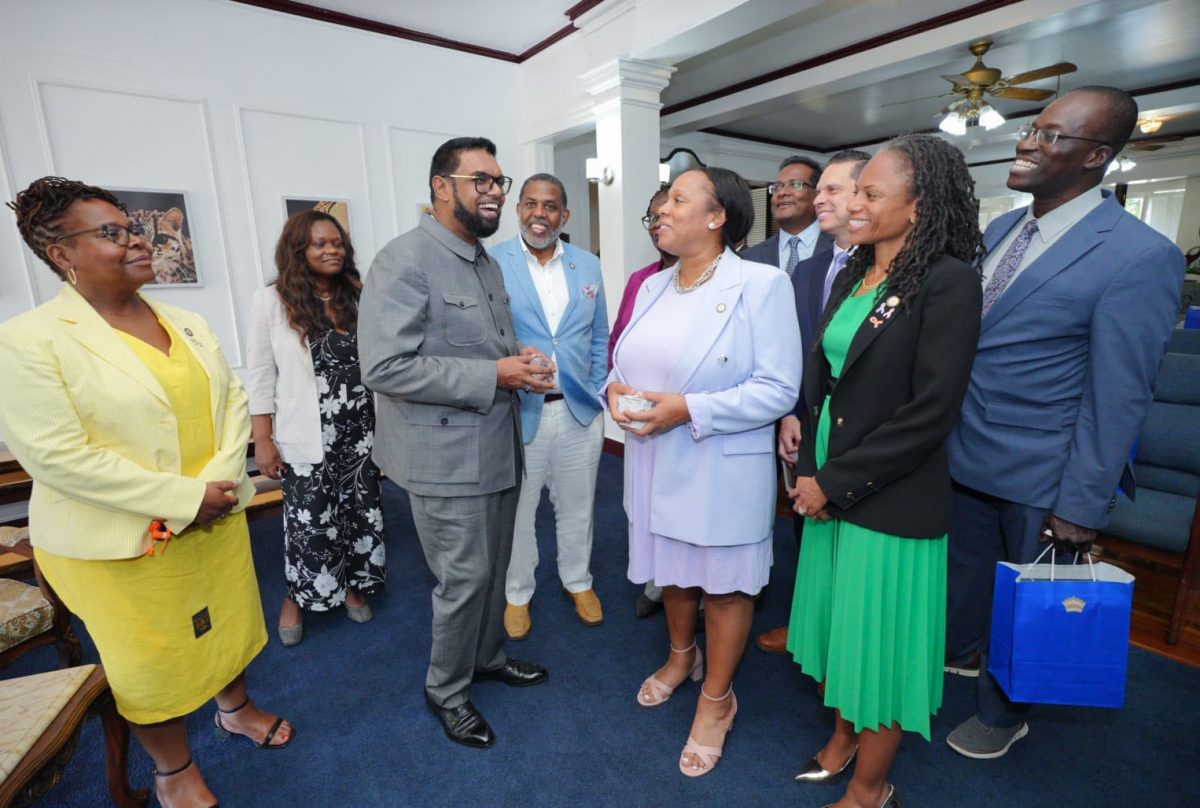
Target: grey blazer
433,319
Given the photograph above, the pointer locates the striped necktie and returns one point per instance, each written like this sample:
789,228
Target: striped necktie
839,263
793,256
1008,265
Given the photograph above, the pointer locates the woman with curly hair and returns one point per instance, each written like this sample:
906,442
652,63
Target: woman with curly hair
314,423
882,394
131,424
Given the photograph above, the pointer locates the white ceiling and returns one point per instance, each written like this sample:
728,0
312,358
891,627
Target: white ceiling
512,27
1132,44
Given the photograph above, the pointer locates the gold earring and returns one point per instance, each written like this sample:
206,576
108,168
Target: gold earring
72,277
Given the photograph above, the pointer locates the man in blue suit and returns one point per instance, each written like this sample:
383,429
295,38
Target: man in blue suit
799,236
1079,301
558,306
811,283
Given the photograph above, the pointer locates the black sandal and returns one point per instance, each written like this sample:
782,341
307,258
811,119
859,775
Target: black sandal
184,767
264,744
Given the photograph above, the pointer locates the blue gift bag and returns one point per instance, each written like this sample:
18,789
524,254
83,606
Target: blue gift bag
1060,633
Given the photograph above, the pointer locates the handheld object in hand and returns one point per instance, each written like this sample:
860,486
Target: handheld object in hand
628,403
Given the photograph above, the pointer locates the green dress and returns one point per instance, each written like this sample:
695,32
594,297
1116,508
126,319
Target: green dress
869,609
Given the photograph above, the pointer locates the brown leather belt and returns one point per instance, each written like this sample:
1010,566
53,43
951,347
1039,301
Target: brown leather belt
553,397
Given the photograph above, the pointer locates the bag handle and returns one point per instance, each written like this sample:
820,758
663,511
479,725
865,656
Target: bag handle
1051,550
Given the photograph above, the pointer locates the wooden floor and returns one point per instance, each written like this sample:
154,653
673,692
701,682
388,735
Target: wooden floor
1153,600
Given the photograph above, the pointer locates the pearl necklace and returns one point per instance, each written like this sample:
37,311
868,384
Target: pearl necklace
703,279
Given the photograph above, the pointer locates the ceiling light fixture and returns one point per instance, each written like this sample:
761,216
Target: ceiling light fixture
989,118
970,113
953,124
1121,164
1150,125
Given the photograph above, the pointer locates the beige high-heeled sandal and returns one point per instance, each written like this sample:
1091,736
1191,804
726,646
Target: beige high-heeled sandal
654,692
704,758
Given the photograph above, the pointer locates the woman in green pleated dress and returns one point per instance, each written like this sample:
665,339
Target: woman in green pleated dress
882,393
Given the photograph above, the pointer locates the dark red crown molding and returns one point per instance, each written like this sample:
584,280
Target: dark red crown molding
880,40
374,26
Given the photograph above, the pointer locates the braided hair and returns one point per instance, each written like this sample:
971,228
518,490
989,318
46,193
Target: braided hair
947,222
305,311
42,206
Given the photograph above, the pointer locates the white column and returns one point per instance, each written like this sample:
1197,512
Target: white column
626,94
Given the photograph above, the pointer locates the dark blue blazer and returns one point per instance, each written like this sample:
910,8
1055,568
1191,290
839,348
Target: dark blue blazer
1065,370
767,252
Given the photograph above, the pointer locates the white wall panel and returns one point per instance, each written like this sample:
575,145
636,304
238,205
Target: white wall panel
303,157
156,143
16,265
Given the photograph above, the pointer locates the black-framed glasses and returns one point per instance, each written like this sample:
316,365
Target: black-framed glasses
118,234
795,185
1050,137
485,182
649,220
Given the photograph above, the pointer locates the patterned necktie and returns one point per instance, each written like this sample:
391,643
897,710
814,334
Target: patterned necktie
1008,265
793,256
839,263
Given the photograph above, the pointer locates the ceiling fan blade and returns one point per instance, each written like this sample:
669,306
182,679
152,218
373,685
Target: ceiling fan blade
1144,146
1042,73
958,81
1022,93
1153,143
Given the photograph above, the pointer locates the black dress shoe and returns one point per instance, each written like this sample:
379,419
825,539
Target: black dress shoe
516,673
645,607
464,724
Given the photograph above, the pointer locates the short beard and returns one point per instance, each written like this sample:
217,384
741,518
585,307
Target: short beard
476,225
544,242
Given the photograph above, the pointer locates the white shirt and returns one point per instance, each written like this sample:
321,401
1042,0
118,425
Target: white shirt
804,248
1051,228
550,281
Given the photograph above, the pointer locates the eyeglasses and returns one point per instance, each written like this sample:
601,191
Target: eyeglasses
649,220
118,234
484,182
1050,137
795,185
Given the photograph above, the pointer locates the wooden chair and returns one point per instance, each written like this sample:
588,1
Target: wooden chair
1163,524
41,717
33,616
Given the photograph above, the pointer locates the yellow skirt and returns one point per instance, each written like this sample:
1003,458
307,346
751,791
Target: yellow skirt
172,629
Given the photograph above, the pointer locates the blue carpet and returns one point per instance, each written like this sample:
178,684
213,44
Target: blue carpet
364,736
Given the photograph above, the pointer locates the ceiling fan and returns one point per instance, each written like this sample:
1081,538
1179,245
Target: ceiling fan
1152,144
972,108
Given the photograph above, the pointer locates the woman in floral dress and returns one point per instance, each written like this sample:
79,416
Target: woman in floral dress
314,423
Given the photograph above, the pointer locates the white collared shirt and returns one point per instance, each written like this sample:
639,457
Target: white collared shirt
1051,227
804,248
550,281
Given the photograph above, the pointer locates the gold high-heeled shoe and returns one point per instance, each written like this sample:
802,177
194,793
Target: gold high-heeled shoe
814,772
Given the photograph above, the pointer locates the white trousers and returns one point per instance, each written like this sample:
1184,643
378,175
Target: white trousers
563,457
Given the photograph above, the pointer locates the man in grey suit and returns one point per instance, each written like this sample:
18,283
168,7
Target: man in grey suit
437,346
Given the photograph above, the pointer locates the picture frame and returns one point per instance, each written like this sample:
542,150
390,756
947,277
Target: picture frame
165,215
337,208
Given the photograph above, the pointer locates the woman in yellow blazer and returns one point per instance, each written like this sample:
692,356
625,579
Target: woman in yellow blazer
134,430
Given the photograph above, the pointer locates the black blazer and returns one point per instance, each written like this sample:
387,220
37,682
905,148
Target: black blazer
896,402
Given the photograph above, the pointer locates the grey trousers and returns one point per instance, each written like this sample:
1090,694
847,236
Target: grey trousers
467,543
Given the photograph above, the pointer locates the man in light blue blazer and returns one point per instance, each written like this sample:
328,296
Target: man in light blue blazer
1079,301
558,306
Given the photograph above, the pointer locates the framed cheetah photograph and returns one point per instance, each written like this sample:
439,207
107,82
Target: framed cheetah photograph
164,216
337,208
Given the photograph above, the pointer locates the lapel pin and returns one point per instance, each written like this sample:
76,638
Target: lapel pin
893,302
720,308
188,331
571,265
722,359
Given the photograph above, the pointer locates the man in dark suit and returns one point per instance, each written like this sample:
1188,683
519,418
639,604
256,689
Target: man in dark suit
812,282
792,196
438,348
1079,301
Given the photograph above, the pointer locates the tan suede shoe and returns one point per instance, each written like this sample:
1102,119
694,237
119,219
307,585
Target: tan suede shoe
517,622
587,606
